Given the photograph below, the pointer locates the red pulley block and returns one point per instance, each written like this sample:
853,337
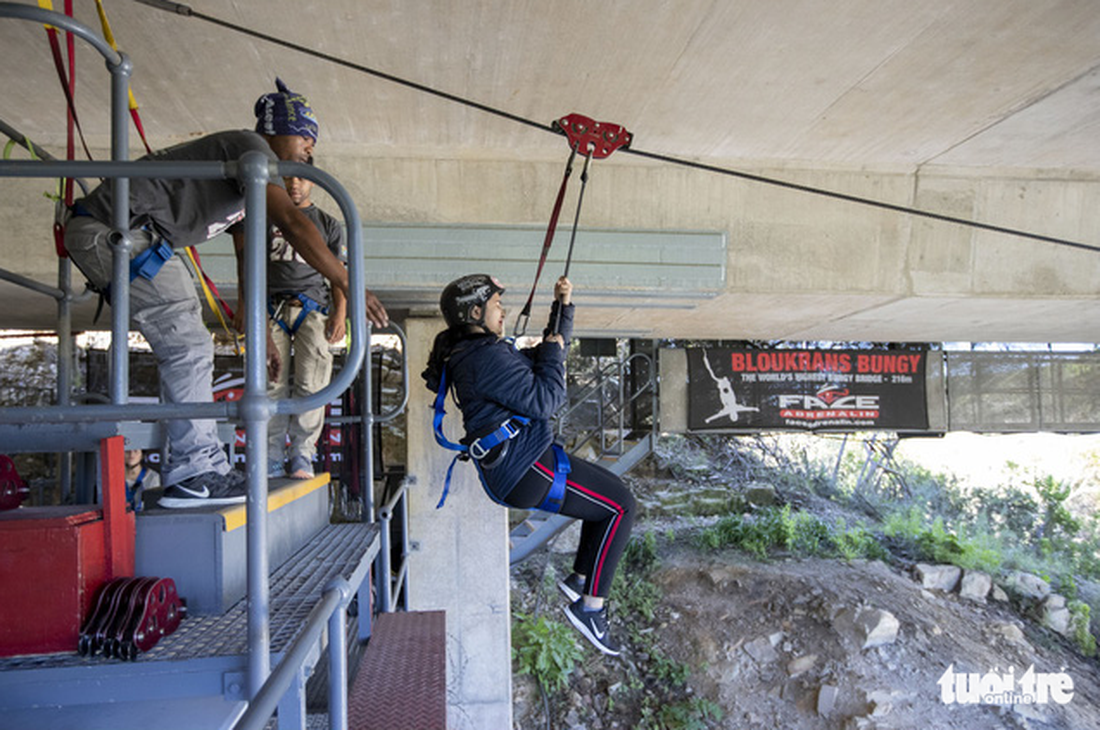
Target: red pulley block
130,616
587,135
13,490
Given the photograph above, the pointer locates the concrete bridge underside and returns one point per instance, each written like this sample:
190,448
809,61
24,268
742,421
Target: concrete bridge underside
793,266
986,110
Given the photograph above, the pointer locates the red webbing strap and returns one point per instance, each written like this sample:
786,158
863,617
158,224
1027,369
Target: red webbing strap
210,283
525,316
141,129
68,86
59,63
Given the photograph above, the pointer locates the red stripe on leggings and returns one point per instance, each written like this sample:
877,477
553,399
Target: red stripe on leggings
608,536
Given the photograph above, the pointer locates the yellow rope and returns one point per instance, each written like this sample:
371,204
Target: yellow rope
210,298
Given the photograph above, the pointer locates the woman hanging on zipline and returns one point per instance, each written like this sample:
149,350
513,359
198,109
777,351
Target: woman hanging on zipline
507,397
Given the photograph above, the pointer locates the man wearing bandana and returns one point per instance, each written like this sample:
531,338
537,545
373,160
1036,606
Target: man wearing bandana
166,215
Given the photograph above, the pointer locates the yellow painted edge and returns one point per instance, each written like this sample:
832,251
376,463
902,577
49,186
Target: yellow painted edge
237,515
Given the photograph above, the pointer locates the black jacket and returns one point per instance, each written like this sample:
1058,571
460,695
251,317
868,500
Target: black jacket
494,381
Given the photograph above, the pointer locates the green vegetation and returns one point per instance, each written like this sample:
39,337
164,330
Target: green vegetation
1030,522
935,543
800,533
547,650
693,714
1079,613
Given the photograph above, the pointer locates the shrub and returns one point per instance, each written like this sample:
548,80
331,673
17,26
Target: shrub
801,532
856,542
1057,519
804,533
544,649
938,544
694,714
1079,613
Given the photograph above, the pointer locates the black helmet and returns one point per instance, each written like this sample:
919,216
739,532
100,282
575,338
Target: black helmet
462,295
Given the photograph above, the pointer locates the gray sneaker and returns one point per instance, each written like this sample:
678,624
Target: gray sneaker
209,489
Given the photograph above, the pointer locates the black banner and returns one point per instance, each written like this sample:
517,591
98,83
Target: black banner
837,390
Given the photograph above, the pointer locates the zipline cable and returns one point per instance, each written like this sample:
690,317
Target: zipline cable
187,11
857,199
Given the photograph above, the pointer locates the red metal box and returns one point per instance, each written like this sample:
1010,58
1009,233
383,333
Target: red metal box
52,560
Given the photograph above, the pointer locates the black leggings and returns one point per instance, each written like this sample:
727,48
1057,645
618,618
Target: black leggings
595,496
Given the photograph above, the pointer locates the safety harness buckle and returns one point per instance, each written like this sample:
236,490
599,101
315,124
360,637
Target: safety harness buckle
147,263
478,451
506,431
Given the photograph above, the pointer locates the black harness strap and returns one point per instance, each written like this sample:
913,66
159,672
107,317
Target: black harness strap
573,236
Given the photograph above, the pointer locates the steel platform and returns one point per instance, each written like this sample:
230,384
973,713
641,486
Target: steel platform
194,679
203,549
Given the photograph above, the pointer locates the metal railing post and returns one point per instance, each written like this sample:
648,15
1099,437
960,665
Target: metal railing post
122,246
253,172
337,660
367,430
385,570
65,362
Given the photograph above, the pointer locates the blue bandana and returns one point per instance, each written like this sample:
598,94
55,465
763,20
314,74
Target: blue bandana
285,113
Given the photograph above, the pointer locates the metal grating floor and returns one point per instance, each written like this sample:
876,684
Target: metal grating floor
338,550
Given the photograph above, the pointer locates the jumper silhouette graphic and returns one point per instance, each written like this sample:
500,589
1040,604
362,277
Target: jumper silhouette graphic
730,406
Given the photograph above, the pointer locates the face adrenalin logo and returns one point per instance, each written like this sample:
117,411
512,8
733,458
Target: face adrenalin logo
830,402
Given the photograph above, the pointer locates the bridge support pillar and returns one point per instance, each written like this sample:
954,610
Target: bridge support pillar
459,563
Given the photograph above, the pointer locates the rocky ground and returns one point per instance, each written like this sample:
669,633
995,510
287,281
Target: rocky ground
801,644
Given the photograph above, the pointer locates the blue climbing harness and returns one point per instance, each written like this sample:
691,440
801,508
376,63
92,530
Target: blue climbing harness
481,447
308,305
149,262
554,498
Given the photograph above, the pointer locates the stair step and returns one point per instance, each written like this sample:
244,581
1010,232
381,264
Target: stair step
204,549
402,678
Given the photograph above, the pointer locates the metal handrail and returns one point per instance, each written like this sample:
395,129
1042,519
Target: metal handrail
388,586
233,410
331,609
387,416
617,408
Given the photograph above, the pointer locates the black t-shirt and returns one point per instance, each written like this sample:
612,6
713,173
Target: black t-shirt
187,212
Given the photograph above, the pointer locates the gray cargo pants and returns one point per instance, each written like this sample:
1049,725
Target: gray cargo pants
168,313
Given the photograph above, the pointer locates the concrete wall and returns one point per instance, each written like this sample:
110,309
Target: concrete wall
461,565
799,266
